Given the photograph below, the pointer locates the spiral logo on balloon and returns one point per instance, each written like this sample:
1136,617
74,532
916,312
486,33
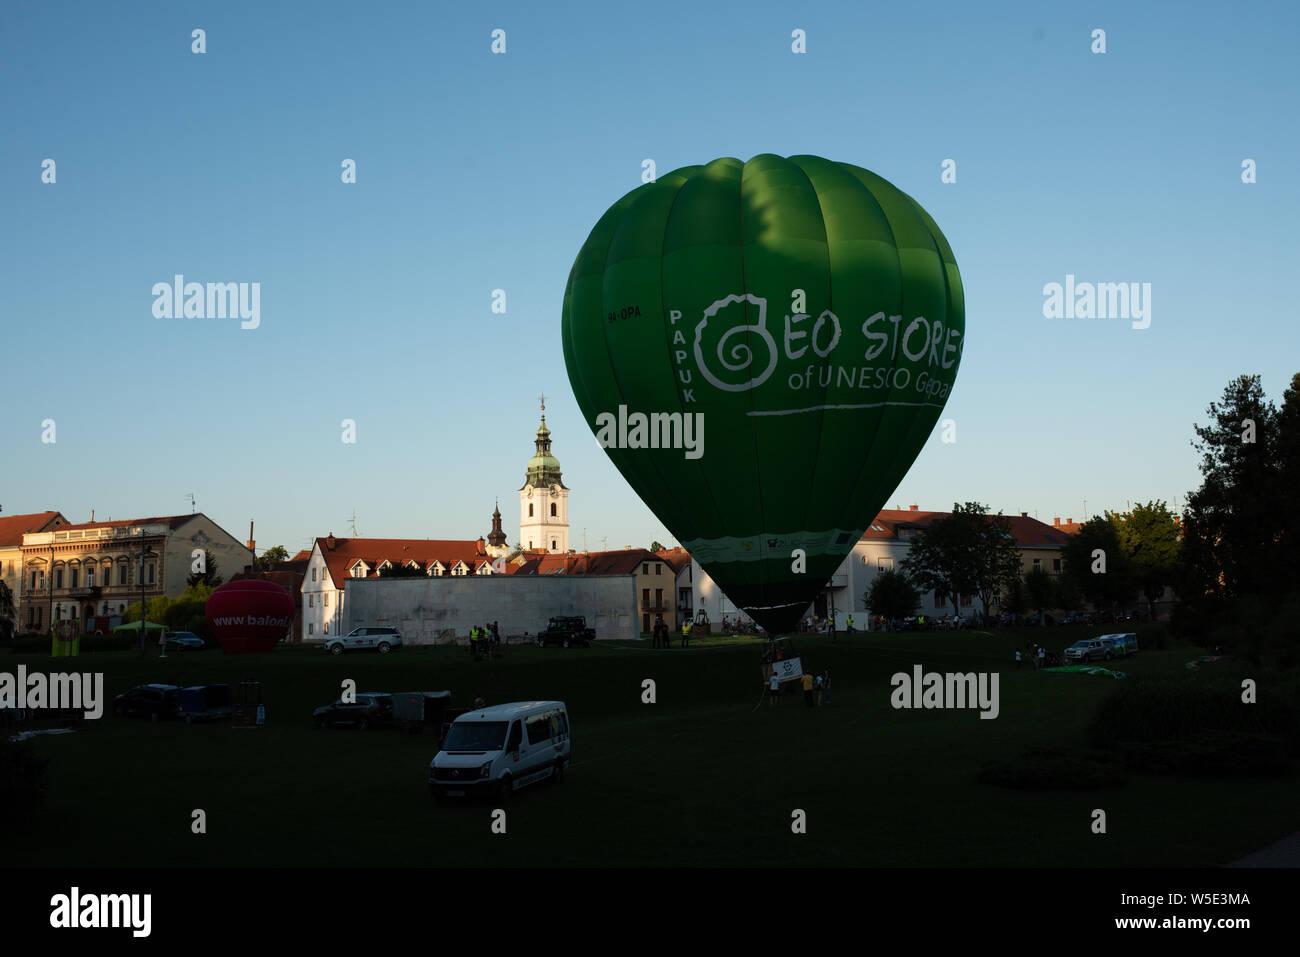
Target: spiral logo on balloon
738,356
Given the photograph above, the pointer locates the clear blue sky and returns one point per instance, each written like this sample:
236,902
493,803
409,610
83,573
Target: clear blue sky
478,172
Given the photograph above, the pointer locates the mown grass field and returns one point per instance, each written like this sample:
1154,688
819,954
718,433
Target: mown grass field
703,777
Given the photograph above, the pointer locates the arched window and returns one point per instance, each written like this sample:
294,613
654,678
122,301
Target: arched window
552,510
530,510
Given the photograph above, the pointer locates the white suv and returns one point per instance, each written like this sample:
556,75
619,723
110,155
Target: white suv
382,640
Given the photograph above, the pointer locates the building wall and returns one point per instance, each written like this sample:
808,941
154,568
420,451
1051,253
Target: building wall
201,532
322,600
429,610
539,530
655,576
11,566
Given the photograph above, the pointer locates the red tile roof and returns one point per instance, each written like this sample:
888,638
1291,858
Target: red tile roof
622,561
14,527
677,558
373,551
1028,532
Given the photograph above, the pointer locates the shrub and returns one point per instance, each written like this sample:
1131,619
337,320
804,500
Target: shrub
22,781
1147,710
123,642
30,644
1053,768
1214,754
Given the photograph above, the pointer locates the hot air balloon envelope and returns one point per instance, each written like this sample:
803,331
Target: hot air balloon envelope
763,348
249,616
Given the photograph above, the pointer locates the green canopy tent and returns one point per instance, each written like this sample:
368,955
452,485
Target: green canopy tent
134,626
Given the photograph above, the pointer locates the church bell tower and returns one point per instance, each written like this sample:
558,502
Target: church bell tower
544,499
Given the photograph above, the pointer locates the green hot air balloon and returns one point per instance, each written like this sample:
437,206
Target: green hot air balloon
762,348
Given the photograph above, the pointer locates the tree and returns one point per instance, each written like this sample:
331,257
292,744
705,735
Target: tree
1239,565
1067,595
892,595
1232,525
1096,562
1040,590
997,557
656,547
274,554
1014,601
211,575
966,553
1288,456
398,570
940,558
8,614
1151,539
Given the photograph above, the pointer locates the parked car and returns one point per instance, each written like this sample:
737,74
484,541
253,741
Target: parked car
567,631
417,710
204,703
1089,649
1123,644
154,701
382,640
182,641
365,711
500,749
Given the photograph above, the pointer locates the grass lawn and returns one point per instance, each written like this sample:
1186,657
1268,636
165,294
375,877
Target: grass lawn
702,777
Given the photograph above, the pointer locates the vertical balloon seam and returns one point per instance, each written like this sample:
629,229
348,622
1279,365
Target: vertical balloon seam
884,215
667,485
830,304
926,221
679,518
763,579
663,305
643,488
575,319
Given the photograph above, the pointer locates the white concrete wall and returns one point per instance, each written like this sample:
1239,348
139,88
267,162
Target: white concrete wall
428,610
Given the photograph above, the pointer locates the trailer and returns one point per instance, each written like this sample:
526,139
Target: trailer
204,703
419,710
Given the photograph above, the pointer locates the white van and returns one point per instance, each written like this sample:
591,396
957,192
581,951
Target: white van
500,749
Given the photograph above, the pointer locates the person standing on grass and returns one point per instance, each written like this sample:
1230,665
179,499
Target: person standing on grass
1017,659
818,686
773,689
826,684
1042,656
807,689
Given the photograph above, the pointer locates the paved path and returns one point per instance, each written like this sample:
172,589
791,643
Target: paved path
1285,853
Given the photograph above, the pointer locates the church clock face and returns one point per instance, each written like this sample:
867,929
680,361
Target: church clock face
555,490
530,491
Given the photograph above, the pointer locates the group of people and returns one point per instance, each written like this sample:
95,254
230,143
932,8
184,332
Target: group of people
662,635
815,624
1036,655
738,627
816,688
484,638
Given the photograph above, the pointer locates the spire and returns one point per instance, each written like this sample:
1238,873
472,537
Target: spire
496,537
543,468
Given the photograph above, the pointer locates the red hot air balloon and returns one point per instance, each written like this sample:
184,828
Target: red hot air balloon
249,617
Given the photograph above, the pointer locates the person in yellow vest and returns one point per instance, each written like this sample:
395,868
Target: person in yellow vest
686,633
807,689
850,624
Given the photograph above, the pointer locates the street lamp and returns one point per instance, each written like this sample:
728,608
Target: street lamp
145,552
